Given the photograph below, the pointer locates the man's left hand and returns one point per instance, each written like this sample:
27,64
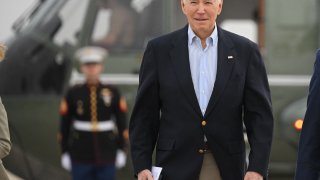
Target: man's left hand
250,175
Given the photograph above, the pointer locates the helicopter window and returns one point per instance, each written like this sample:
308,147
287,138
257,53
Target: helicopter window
115,24
72,19
126,25
103,17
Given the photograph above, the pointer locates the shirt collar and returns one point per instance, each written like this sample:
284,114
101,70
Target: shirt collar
213,37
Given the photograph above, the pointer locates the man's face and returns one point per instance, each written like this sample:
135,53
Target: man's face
201,14
91,70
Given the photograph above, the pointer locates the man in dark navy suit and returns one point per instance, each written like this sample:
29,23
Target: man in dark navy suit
308,167
197,87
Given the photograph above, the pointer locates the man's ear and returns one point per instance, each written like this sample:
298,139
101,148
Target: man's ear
182,6
220,6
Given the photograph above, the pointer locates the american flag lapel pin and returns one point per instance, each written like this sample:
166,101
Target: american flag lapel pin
230,57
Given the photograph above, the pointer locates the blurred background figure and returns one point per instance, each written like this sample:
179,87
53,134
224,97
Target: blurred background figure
122,24
5,144
308,162
93,123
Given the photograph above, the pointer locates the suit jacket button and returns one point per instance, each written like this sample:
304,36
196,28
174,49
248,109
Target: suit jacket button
204,123
201,151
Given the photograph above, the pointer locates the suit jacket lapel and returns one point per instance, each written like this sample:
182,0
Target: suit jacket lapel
226,59
180,59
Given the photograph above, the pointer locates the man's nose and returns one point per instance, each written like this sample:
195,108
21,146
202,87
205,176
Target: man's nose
201,8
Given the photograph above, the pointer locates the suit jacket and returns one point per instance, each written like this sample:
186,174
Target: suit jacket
5,144
308,166
167,114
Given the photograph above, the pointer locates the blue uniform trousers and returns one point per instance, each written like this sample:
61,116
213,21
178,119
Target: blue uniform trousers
86,171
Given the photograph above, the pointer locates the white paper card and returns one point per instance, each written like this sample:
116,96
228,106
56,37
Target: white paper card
156,171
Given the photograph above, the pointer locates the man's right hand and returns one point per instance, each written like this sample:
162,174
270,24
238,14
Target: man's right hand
145,175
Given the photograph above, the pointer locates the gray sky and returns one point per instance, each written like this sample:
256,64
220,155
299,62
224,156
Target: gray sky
10,10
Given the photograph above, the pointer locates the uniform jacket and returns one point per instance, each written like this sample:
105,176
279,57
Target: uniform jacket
83,103
309,146
5,144
167,116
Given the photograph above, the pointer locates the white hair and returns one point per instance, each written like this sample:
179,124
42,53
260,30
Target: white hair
213,0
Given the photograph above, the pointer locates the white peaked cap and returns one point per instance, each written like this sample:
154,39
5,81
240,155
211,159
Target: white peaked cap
91,54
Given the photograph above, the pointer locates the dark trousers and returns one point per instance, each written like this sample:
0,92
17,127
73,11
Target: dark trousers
83,171
307,172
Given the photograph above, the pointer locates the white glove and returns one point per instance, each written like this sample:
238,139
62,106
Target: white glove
66,161
121,159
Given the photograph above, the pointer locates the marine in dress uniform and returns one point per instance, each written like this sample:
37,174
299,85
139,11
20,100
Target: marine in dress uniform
93,123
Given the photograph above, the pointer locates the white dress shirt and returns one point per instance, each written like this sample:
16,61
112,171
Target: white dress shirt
203,66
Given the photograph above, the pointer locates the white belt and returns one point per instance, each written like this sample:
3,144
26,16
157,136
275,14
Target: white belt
90,126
